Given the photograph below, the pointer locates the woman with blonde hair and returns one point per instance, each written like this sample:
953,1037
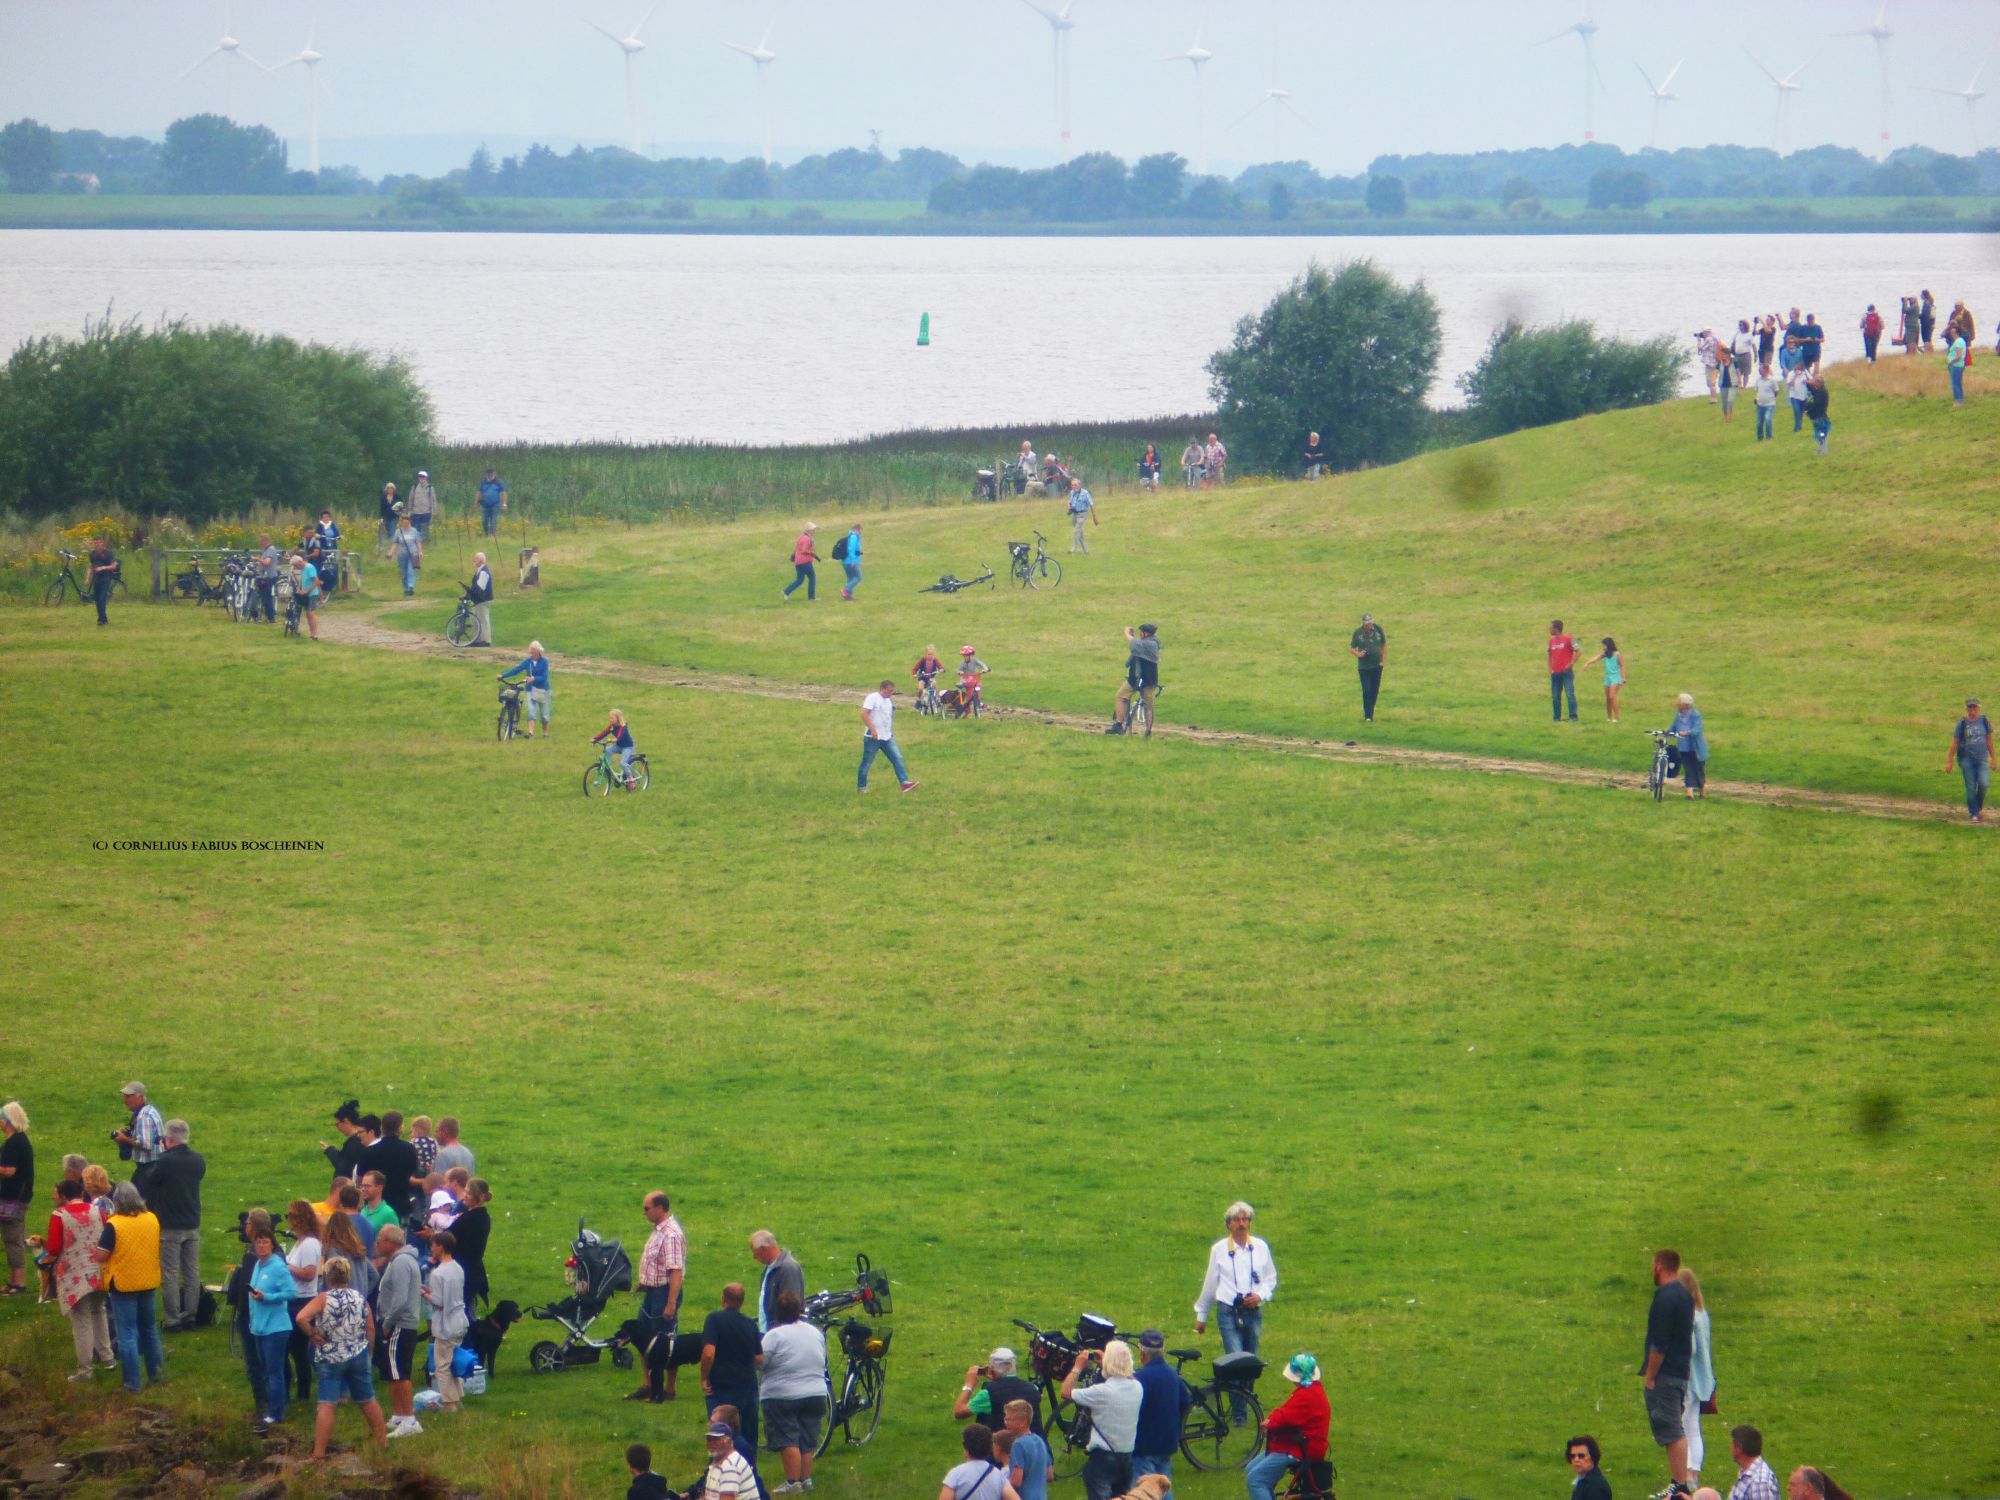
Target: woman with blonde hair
1701,1373
1113,1404
17,1190
97,1186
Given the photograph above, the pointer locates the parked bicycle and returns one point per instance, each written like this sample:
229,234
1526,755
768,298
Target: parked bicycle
857,1408
461,627
1211,1435
68,579
1666,763
1032,565
607,773
1050,1358
950,585
511,694
289,603
239,589
190,582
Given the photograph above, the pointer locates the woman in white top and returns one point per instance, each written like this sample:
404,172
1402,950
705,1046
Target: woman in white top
1241,1278
1113,1404
979,1477
1701,1373
307,1284
793,1388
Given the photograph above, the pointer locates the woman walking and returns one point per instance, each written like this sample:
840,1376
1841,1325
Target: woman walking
1614,675
74,1231
342,1331
1972,752
1701,1375
1692,743
794,1391
392,512
803,558
128,1259
17,1191
408,546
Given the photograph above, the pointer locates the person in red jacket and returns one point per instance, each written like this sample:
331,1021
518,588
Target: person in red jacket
1562,671
1871,332
803,558
1295,1431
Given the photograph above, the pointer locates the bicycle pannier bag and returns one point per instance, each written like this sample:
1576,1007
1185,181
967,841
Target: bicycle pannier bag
1239,1370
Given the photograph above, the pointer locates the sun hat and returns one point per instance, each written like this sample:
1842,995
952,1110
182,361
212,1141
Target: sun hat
1302,1369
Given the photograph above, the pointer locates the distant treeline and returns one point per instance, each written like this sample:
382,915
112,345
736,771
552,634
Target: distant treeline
208,154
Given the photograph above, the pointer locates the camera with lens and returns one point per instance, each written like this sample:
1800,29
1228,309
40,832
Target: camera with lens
124,1147
278,1231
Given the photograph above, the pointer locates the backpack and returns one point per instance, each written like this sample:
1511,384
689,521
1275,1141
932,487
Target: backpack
840,547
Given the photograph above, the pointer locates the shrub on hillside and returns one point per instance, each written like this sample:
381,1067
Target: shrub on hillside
201,422
1530,377
1349,353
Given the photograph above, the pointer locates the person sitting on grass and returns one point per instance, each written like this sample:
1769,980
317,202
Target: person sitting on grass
620,735
926,670
645,1485
535,666
342,1331
979,1477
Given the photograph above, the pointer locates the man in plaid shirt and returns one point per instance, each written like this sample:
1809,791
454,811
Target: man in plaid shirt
143,1136
1757,1482
662,1264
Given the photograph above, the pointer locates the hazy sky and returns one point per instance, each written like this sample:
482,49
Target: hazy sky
974,76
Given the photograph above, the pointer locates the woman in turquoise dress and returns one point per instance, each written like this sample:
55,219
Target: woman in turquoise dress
1614,675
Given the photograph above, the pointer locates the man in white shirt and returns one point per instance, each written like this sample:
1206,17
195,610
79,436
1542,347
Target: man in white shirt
878,735
1241,1278
1024,468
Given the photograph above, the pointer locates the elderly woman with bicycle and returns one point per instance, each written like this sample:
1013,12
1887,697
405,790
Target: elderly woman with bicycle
1692,743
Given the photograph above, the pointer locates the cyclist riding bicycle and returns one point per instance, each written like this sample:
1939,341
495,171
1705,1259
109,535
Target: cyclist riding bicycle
620,735
970,668
1142,678
927,668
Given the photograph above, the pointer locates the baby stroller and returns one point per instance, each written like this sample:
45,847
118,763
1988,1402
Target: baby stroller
596,1270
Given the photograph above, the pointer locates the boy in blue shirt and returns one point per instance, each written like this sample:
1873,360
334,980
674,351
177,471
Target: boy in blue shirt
1030,1465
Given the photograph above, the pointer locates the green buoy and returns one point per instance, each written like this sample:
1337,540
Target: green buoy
924,331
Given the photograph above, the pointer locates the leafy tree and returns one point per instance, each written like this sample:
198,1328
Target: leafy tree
749,178
1619,188
1091,187
1279,201
1211,198
1349,352
1386,197
1514,189
208,154
28,156
1156,186
479,172
431,199
201,422
1531,377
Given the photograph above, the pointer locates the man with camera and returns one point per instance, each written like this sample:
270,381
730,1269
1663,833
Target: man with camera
141,1141
1142,678
989,1387
1241,1278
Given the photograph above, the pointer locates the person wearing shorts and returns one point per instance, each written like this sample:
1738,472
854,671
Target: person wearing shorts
535,668
1668,1365
341,1328
399,1293
1142,676
794,1390
305,586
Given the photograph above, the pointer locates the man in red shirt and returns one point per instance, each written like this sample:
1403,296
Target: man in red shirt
1295,1431
1562,671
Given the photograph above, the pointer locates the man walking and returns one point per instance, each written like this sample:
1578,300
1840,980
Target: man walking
878,737
1142,676
174,1194
482,601
1972,755
1562,671
1816,404
662,1268
492,501
1164,1401
847,552
1080,505
1669,1355
1368,646
141,1136
423,503
730,1347
1754,1481
1214,458
103,568
803,558
781,1274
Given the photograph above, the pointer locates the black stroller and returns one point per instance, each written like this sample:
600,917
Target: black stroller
597,1270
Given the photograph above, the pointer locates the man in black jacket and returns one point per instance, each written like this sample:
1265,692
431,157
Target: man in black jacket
173,1192
395,1158
482,601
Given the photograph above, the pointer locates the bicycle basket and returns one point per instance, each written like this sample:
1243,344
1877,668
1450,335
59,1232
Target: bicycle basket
1018,549
875,1292
1093,1332
878,1347
1238,1370
1051,1355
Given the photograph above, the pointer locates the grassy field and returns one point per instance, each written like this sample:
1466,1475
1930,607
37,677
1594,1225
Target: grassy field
1473,1045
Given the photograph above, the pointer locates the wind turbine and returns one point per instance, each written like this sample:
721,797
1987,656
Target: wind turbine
309,59
1972,93
1197,55
1060,26
1661,93
631,46
1279,101
228,49
1781,134
1880,34
1585,30
763,57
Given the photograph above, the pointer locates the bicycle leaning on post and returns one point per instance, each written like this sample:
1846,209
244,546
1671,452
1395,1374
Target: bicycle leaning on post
856,1409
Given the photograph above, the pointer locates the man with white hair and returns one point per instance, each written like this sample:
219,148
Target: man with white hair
174,1193
1241,1278
482,601
536,666
140,1139
781,1274
989,1387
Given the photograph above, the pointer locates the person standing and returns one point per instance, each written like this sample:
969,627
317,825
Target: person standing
176,1198
1562,671
1972,753
345,1159
140,1140
1149,469
391,514
1798,387
1701,1375
1080,505
471,1231
492,501
1926,317
730,1350
1669,1355
1728,385
1814,341
1692,744
1031,1467
265,601
399,1289
302,1263
407,543
1368,646
1024,467
1584,1456
1954,363
1164,1399
1142,678
269,1320
395,1158
878,736
980,1476
1709,354
449,1323
1241,1278
306,589
451,1151
781,1275
1754,1480
342,1330
794,1390
17,1193
847,552
1191,457
423,503
662,1270
74,1230
1113,1404
1614,675
1816,403
1296,1429
103,568
1766,398
482,601
128,1266
1871,333
803,558
989,1387
1214,461
1743,351
1315,456
535,668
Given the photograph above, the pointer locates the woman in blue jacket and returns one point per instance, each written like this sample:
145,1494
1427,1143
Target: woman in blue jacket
1693,747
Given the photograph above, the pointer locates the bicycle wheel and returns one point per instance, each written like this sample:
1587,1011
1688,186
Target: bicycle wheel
864,1408
1658,778
597,781
1023,572
1213,1441
56,590
1051,572
835,1410
506,727
1068,1435
459,631
642,774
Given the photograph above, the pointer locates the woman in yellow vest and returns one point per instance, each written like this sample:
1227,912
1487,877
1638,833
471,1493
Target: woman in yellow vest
128,1257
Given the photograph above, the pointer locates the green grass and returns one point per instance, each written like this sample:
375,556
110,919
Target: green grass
1826,614
1473,1046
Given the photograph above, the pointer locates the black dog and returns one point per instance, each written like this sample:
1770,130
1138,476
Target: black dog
484,1337
686,1348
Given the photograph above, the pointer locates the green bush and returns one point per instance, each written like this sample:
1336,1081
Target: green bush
1530,377
201,423
1349,353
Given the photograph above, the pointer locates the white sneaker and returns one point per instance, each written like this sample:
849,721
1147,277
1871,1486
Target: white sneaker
405,1427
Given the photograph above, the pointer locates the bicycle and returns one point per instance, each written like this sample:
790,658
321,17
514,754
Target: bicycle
1666,763
1051,1356
1310,1479
857,1409
294,606
1135,711
927,701
462,626
950,585
1034,562
607,773
189,584
510,710
67,579
1211,1437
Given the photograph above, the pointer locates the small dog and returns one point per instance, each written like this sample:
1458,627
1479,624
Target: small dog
486,1335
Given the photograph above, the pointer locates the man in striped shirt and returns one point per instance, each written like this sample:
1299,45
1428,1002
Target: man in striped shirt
662,1264
730,1476
1756,1482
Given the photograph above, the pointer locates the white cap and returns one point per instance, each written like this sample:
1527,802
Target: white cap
1001,1356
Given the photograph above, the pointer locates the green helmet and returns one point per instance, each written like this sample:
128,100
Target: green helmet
1302,1369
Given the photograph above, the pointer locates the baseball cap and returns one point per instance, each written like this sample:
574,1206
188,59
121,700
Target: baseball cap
130,1089
1366,618
423,473
1001,1356
719,1430
1302,1369
1152,1338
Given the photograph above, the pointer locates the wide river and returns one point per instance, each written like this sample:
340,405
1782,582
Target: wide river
761,339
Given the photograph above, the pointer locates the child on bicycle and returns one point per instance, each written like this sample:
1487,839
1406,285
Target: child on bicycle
970,669
620,735
926,671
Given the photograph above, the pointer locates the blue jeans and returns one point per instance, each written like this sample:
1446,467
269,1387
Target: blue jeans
271,1349
1821,427
1106,1475
870,748
409,575
1978,778
423,525
1266,1472
853,571
135,1329
1241,1332
1764,416
489,516
803,573
1561,683
1798,414
1957,382
1152,1463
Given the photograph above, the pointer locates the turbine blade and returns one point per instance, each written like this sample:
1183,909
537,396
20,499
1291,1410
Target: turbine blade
1242,118
1068,6
1760,66
1041,10
1566,31
280,67
1293,111
749,52
211,52
1672,74
1975,79
1655,92
312,30
251,60
642,21
602,32
764,41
